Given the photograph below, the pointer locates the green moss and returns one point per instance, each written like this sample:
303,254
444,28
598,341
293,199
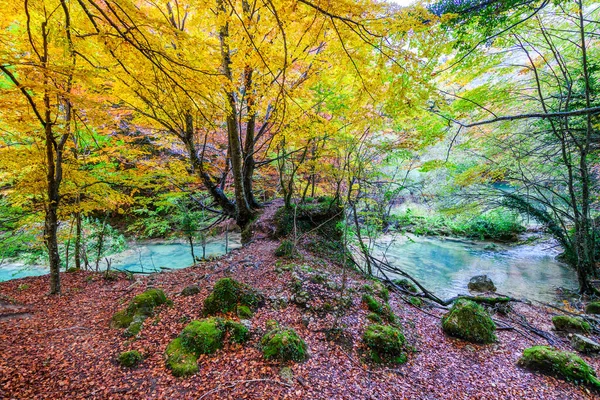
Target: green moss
286,249
593,308
415,301
406,285
373,317
375,306
179,360
469,321
283,345
203,337
571,324
238,333
139,308
244,312
561,364
381,291
228,294
130,358
145,302
70,270
386,343
121,319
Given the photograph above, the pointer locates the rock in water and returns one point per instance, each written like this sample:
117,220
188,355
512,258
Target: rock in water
481,283
584,345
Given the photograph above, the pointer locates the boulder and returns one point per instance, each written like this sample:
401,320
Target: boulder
283,344
565,323
481,283
593,308
386,343
190,290
562,364
584,345
469,321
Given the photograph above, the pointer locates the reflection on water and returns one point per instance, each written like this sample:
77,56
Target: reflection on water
444,266
139,257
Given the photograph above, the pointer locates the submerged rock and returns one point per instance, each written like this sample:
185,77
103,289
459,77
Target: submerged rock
584,345
562,364
481,283
469,321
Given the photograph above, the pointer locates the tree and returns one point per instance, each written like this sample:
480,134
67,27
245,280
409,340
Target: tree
538,122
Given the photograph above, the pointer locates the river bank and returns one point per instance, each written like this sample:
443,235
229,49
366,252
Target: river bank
63,345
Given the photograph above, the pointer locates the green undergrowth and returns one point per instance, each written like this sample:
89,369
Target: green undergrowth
139,309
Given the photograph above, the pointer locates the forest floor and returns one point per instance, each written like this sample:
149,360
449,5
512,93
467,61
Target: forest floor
61,347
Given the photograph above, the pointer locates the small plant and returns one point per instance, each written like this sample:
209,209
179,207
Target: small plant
286,249
130,359
23,286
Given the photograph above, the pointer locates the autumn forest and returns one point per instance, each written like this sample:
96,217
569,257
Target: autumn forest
299,199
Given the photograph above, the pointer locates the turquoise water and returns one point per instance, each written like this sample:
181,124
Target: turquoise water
139,257
445,266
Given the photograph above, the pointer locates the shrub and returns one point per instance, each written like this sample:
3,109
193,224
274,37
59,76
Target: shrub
571,324
228,294
130,358
284,345
386,343
469,321
561,364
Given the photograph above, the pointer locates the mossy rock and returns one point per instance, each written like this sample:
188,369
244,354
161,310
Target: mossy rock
406,285
130,359
373,317
244,312
139,308
286,249
565,323
381,309
283,344
203,337
238,333
469,321
179,360
381,291
144,303
386,343
227,294
562,364
593,308
70,270
190,290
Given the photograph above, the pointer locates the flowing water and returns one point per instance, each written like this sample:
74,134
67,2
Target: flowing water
445,266
147,257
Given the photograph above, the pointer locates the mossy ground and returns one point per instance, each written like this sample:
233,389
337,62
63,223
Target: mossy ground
469,321
562,364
